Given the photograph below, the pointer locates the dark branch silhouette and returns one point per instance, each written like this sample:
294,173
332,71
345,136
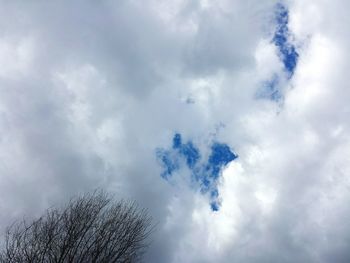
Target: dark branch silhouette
91,228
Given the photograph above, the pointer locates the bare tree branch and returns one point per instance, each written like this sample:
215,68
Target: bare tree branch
91,228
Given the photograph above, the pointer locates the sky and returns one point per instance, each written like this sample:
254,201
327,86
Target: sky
228,120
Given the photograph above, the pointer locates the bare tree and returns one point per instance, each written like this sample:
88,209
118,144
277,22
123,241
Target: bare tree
91,228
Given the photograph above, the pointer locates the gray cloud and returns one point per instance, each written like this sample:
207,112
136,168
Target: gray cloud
89,90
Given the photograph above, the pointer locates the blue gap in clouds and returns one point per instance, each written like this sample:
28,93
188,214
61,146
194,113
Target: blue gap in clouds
170,164
204,175
287,52
188,150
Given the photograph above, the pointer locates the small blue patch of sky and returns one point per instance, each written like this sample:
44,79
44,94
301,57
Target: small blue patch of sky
220,156
204,173
281,39
169,162
287,52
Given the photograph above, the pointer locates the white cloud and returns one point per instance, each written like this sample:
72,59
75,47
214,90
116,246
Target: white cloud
89,90
16,56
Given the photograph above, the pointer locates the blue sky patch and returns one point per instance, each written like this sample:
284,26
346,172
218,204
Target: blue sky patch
288,53
204,173
170,163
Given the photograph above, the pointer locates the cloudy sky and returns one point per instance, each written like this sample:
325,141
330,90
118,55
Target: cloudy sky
227,119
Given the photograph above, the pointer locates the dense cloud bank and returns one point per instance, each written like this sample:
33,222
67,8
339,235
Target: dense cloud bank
91,90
